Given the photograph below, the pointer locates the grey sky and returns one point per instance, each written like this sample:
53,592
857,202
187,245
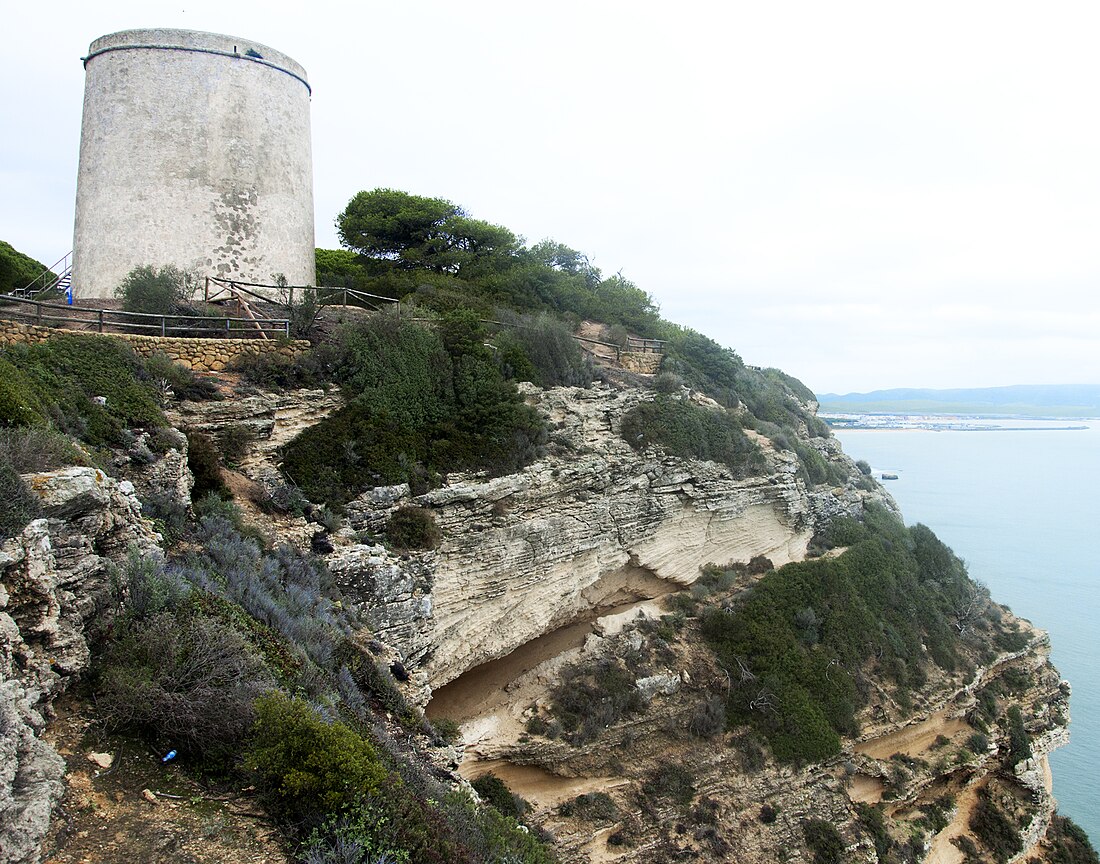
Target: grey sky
863,194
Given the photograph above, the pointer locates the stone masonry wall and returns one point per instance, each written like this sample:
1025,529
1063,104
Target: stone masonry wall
199,355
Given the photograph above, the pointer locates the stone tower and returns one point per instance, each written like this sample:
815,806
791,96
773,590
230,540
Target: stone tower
194,151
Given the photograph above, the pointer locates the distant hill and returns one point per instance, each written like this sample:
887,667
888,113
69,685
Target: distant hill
1026,400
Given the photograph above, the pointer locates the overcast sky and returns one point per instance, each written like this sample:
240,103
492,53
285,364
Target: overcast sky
865,195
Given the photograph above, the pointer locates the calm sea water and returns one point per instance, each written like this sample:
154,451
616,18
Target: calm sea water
1022,508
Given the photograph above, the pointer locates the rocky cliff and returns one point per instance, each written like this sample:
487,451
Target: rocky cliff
578,558
54,580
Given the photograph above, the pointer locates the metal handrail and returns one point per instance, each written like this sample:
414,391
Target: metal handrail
163,325
29,290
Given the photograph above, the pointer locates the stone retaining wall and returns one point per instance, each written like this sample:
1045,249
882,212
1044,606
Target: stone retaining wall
199,355
645,364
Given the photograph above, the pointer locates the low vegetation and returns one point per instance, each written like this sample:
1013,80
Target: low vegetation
241,658
682,428
802,647
17,270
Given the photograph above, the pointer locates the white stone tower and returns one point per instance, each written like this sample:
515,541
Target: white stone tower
194,151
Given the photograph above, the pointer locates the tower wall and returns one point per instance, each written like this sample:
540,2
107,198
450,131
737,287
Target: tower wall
194,151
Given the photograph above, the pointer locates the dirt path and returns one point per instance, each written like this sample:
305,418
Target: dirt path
915,739
943,851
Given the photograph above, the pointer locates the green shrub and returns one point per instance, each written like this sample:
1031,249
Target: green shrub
179,380
156,290
18,504
994,829
591,807
541,349
978,744
233,443
306,766
187,680
313,368
1069,844
33,449
590,697
17,270
19,402
802,633
413,527
681,428
421,402
495,791
58,382
671,781
824,841
1019,742
864,467
870,818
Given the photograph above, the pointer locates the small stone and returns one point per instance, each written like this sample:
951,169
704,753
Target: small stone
103,760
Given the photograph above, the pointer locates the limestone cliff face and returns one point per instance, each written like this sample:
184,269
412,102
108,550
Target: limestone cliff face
53,584
586,529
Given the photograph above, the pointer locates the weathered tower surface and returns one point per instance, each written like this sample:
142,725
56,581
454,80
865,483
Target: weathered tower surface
194,151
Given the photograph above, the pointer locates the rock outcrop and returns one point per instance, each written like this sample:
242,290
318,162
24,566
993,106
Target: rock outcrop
53,585
587,528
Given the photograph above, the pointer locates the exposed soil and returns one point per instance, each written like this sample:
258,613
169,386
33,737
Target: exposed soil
539,787
915,739
140,810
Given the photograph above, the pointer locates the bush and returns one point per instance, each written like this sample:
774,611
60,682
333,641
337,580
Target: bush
18,504
978,744
421,402
1019,743
156,290
233,443
803,629
994,829
412,527
1069,844
590,698
495,791
313,368
58,382
864,467
178,380
670,781
709,717
591,807
17,270
32,449
540,349
684,429
873,822
305,766
824,841
186,680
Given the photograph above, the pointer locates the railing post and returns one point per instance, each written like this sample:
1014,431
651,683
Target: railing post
345,295
226,328
163,328
100,320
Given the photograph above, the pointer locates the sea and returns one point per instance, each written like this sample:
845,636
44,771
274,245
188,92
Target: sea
1019,502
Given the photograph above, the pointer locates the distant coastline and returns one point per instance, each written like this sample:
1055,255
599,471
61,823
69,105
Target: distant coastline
951,422
1031,401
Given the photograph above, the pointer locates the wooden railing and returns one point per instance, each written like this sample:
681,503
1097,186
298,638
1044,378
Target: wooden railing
116,321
